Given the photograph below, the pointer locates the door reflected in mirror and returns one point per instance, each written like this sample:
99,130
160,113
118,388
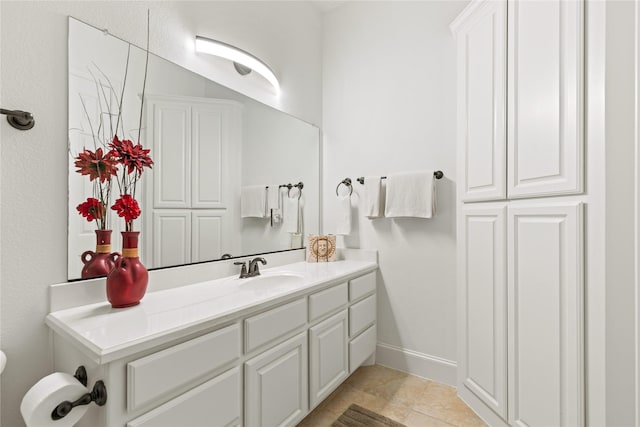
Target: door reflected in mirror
207,143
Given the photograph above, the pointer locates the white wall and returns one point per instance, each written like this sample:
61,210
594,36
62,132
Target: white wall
620,214
277,149
33,71
389,106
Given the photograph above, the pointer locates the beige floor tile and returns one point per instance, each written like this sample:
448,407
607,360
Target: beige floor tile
416,419
404,398
348,395
318,419
367,378
440,401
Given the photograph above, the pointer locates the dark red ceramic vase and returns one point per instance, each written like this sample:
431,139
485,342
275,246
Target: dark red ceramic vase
127,282
98,263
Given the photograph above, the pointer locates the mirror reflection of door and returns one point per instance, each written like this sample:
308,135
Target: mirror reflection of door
196,143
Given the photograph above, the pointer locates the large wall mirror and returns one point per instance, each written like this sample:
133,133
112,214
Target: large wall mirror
209,144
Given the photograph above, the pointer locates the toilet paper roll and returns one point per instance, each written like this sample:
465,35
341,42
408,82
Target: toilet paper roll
41,399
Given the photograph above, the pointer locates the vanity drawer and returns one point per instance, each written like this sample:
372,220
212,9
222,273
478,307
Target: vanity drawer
327,301
169,371
274,324
361,315
221,396
362,286
361,347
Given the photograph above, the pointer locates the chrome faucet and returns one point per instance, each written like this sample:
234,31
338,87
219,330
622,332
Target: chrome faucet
253,266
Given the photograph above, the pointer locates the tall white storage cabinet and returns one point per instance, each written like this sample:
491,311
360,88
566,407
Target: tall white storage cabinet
195,141
520,242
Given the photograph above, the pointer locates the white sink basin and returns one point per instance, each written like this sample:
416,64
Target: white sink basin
270,280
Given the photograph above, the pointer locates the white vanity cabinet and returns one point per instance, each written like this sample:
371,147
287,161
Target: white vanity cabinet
268,366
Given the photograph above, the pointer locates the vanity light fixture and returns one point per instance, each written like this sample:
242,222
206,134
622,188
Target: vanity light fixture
243,61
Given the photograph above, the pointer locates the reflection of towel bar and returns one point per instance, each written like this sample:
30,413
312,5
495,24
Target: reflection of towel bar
437,174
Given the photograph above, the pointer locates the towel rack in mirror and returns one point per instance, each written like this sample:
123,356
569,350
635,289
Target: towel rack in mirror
437,174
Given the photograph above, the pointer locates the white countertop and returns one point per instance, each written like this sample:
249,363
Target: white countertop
106,334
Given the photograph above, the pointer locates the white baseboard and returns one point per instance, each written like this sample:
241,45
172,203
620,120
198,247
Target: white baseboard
419,364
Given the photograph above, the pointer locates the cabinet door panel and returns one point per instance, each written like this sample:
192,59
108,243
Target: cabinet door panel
481,103
210,237
214,403
484,293
545,98
172,154
208,167
171,237
545,314
328,359
276,393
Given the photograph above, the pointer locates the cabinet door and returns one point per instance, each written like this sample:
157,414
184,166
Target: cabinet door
545,314
545,79
483,290
481,103
171,136
214,403
328,358
171,237
276,393
214,128
210,237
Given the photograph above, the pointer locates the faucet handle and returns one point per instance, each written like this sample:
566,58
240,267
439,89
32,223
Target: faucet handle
243,270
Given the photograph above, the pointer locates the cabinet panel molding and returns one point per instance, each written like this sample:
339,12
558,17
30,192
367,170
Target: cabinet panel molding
481,53
171,124
221,395
328,356
171,237
166,371
483,368
545,114
276,392
546,349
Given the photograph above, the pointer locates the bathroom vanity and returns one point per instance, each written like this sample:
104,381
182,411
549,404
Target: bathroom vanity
262,351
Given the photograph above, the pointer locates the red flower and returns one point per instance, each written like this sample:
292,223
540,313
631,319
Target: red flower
97,165
127,207
91,209
133,157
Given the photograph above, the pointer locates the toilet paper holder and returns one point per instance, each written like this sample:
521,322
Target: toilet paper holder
98,395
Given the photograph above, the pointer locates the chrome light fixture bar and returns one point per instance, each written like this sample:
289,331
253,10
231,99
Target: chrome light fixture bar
239,56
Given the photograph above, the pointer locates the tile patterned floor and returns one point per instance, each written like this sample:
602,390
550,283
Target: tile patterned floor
405,398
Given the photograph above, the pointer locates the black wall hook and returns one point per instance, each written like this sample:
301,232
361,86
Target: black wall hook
22,120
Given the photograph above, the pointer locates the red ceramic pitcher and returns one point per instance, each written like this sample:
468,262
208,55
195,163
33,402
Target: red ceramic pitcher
127,282
98,263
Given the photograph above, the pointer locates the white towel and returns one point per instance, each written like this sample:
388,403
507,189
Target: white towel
373,197
273,201
292,215
344,215
411,194
274,208
253,201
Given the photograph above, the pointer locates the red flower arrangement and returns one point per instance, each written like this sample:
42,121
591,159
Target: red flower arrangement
133,158
101,165
100,168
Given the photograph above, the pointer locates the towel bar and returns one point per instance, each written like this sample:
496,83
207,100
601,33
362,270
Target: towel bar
437,174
